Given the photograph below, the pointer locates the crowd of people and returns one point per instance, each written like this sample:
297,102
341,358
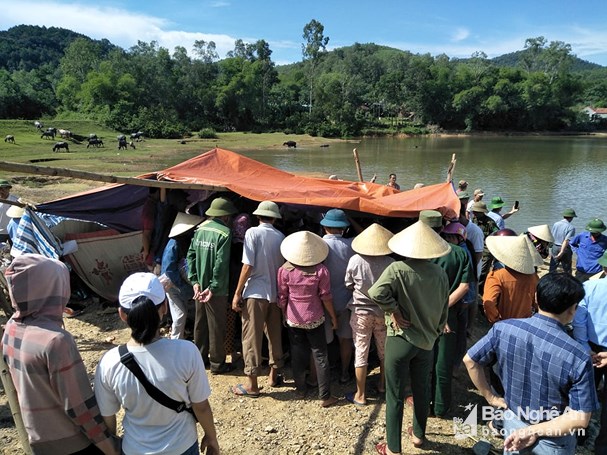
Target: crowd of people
301,280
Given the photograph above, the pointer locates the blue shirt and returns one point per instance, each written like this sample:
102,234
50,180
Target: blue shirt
340,252
590,322
172,262
588,252
561,231
540,366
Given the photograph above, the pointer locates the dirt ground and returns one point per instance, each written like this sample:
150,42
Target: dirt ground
277,422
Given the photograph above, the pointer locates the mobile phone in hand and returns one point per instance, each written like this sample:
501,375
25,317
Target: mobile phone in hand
516,204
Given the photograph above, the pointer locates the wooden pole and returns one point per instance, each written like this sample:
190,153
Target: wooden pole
83,175
357,163
451,169
13,402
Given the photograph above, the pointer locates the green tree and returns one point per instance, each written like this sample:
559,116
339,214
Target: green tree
314,47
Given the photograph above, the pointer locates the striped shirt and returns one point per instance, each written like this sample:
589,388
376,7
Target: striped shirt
540,366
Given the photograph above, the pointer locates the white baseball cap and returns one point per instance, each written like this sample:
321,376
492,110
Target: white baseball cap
141,284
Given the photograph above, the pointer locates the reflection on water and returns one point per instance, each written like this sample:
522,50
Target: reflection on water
546,174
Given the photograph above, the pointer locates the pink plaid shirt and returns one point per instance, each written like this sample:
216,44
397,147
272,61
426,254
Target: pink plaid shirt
301,291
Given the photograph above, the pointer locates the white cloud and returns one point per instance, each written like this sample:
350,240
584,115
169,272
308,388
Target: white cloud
123,28
460,34
219,4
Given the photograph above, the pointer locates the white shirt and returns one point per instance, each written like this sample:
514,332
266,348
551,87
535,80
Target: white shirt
261,251
173,366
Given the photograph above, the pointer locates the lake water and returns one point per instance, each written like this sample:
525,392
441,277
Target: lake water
546,174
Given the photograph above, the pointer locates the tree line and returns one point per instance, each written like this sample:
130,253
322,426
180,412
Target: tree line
355,90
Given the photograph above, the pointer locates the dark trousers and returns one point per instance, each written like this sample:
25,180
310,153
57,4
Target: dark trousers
564,261
446,355
210,329
406,365
304,341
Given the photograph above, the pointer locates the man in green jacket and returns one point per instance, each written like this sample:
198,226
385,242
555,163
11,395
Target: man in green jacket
414,294
208,270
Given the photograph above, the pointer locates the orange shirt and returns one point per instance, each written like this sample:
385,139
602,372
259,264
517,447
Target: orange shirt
509,294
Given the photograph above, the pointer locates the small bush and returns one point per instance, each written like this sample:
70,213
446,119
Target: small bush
207,133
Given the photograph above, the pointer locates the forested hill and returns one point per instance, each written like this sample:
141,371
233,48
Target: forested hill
350,91
26,47
515,59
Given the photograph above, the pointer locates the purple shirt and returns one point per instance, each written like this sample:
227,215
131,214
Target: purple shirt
301,291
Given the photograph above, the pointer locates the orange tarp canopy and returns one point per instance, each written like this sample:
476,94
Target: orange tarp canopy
258,181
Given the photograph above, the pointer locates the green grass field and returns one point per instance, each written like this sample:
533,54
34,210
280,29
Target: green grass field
150,154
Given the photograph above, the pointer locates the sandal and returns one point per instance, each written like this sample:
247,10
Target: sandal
240,391
382,448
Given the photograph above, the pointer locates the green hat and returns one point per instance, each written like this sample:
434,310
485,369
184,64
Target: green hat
432,218
335,218
268,209
221,207
603,260
5,184
569,213
480,207
463,195
496,202
596,226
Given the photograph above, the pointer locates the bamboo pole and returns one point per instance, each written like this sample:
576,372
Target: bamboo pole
96,177
451,169
13,402
357,163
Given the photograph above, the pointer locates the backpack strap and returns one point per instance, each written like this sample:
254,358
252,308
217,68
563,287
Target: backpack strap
128,360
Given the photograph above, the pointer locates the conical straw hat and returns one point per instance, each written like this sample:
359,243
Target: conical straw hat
419,241
514,252
304,248
373,241
183,223
537,257
14,211
542,232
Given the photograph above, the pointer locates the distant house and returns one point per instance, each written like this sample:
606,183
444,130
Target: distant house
595,113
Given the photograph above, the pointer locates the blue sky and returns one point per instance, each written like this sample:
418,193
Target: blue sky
456,28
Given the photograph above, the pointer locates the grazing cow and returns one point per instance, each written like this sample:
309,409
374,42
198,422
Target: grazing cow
138,136
290,144
95,143
92,136
38,125
9,138
61,145
65,134
122,143
47,134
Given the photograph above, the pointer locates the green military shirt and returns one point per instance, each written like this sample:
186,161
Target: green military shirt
457,266
420,290
209,257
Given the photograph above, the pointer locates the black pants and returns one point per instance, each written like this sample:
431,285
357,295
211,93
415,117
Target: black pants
304,341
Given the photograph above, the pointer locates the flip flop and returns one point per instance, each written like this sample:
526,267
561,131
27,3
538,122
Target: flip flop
240,391
381,448
350,398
